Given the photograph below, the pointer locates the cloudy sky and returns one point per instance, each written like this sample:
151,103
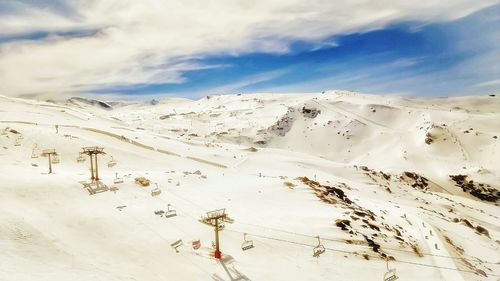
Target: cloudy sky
196,47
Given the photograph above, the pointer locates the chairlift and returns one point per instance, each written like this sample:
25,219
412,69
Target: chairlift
80,158
170,213
117,179
196,244
111,162
155,192
34,153
55,159
221,226
17,142
318,250
247,244
176,245
390,275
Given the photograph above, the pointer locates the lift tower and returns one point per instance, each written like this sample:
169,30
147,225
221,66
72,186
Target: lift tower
214,218
92,152
49,153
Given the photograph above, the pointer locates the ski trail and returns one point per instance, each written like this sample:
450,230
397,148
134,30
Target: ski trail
130,141
465,153
436,247
354,116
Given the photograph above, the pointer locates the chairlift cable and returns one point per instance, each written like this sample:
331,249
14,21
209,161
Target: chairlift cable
343,241
340,240
358,254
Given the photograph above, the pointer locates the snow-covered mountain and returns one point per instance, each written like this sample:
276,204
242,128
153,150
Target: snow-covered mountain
414,182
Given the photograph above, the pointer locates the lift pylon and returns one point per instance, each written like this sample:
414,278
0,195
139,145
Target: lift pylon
92,152
213,218
49,153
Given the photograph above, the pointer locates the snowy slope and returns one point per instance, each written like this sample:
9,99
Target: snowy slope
369,174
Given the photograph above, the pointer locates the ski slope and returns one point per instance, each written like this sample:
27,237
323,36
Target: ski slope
286,168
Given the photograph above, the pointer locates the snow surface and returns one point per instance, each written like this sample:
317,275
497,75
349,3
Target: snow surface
246,154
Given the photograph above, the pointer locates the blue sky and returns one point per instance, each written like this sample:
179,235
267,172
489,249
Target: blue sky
430,57
409,58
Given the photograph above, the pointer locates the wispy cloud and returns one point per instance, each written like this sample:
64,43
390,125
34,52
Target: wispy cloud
149,41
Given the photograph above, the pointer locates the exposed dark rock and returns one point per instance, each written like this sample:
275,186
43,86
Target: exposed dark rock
482,230
478,190
418,180
310,112
343,223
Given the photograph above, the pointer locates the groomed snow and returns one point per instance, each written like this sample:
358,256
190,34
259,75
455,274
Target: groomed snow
246,154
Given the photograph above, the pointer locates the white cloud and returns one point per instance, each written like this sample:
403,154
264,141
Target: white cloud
153,41
495,82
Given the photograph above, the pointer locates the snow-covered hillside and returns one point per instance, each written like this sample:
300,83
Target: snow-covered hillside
412,184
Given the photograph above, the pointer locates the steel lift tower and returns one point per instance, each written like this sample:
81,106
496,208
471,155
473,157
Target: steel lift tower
92,152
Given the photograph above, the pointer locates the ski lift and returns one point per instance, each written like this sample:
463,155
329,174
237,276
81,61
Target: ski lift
55,159
34,153
390,275
80,158
221,226
318,250
247,244
196,244
117,179
111,162
176,245
170,213
155,192
17,142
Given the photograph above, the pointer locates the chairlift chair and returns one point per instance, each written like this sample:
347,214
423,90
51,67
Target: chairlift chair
155,192
176,245
34,154
221,226
196,244
390,275
247,244
117,179
170,213
80,158
111,162
55,159
318,250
